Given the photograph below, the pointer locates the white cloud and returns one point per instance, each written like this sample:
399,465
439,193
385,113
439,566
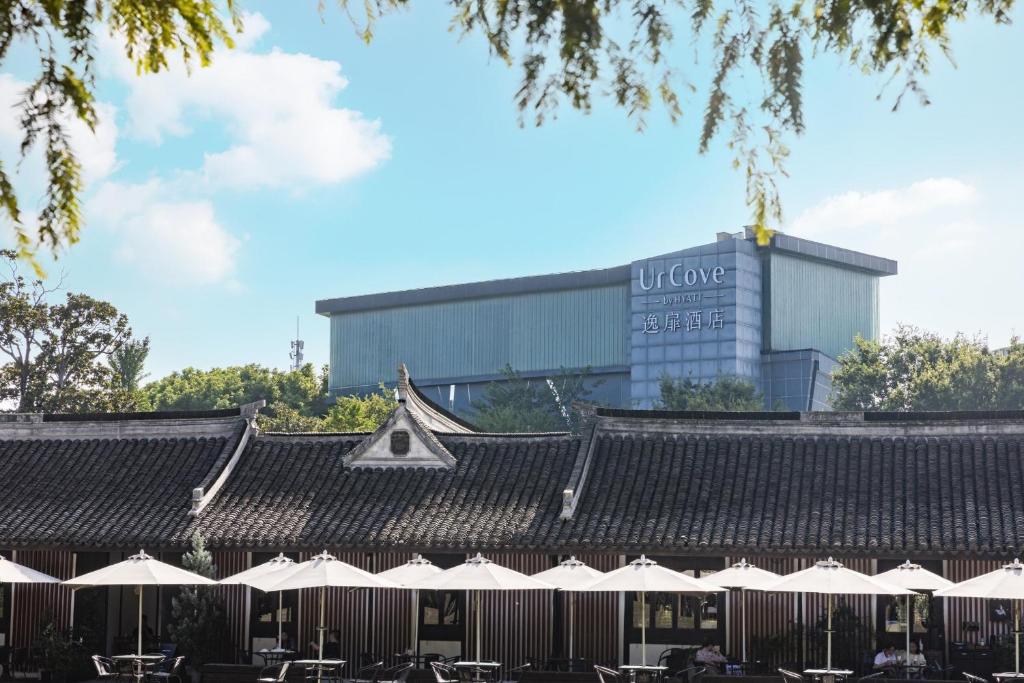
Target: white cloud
958,248
277,110
173,241
882,208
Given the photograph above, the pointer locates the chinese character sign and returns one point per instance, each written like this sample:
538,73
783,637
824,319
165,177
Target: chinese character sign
690,321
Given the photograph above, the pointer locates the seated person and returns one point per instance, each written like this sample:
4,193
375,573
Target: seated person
332,648
711,658
886,659
916,661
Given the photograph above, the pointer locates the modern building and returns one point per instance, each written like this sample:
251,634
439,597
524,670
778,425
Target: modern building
778,316
696,493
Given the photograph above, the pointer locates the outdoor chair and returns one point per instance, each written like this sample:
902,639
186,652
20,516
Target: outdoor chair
395,674
431,657
675,659
609,675
689,674
971,678
791,676
444,673
369,673
275,673
935,670
105,669
875,676
518,671
175,671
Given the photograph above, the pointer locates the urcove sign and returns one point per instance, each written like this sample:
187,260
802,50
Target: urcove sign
676,276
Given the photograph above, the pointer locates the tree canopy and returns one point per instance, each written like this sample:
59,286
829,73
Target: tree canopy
303,391
55,353
726,393
918,370
566,51
538,404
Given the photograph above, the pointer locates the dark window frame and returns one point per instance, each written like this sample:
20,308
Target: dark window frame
676,634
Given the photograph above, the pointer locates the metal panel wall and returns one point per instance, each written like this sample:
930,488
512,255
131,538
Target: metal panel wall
478,337
960,610
32,603
236,598
819,306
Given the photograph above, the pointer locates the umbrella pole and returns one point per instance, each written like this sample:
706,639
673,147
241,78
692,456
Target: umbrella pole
743,622
477,609
643,629
910,627
416,623
139,644
280,610
1016,636
829,608
572,601
320,653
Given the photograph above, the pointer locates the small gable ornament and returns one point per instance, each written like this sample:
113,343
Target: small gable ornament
400,441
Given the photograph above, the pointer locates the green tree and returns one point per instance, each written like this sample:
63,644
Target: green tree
199,624
360,413
63,33
917,370
520,404
127,367
55,353
194,389
726,393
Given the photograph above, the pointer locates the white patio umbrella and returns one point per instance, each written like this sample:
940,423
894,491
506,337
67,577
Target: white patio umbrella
480,574
742,576
140,570
830,578
261,575
569,576
323,571
1006,583
415,570
644,576
12,572
916,578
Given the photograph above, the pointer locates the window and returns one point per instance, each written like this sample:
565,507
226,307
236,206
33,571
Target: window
442,613
271,609
926,612
673,618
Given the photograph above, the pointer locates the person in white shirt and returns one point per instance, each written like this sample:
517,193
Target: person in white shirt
916,661
886,659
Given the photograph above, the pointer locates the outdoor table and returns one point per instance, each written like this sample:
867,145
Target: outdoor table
321,666
908,670
828,675
1007,675
272,657
144,660
479,668
655,672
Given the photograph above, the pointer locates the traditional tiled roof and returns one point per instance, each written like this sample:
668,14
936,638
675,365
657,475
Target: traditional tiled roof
809,484
897,485
106,482
296,492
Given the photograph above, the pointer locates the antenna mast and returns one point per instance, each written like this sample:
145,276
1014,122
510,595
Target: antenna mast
297,347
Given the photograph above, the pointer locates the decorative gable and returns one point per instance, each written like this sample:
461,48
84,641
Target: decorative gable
402,441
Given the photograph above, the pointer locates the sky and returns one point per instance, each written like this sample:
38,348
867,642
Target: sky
305,165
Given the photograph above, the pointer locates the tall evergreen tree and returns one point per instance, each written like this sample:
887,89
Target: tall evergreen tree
199,625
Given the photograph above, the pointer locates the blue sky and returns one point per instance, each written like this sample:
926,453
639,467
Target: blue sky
306,165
